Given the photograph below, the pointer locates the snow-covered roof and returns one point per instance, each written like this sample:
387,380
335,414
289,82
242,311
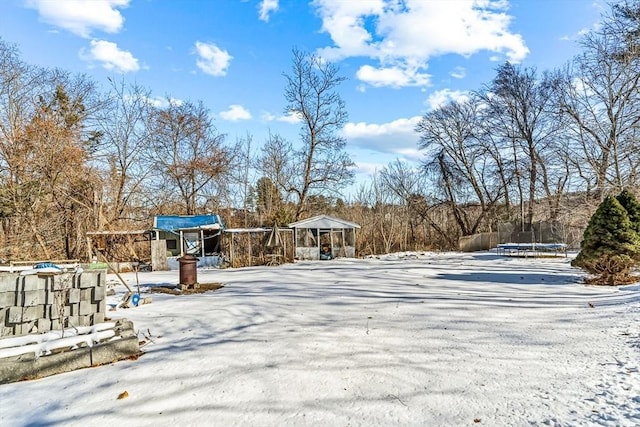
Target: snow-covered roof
323,221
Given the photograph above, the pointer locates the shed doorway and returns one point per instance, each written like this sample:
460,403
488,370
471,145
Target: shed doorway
326,245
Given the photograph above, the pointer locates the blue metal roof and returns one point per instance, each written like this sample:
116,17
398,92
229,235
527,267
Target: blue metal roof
187,222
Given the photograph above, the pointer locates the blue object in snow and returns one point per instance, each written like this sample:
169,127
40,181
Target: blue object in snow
135,299
45,265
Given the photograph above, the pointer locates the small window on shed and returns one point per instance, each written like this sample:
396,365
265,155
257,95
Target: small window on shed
172,244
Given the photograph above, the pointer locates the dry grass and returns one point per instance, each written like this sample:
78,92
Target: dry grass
618,280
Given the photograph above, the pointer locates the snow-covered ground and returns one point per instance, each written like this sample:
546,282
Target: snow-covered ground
433,339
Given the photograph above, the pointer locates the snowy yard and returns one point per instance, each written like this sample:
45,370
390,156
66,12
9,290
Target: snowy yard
407,339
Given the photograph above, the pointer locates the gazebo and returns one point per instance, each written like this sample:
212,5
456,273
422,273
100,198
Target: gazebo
324,237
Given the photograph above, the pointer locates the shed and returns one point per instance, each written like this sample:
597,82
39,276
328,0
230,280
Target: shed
197,235
324,237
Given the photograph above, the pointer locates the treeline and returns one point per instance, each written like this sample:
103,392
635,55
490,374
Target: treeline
529,146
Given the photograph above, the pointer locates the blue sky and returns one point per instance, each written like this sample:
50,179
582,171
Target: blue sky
401,57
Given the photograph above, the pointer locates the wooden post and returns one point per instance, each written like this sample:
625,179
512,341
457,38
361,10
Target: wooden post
89,248
159,255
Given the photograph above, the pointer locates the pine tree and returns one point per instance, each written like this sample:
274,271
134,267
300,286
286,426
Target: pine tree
631,204
610,247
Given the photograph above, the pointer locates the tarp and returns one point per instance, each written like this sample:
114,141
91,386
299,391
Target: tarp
187,222
274,240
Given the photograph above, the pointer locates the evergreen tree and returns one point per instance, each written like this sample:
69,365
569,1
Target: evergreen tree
610,247
632,206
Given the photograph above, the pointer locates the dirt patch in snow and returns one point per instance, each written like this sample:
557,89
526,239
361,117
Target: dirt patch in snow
174,290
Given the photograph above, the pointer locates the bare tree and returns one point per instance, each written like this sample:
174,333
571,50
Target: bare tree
321,165
409,185
463,167
187,153
600,98
521,111
123,124
234,188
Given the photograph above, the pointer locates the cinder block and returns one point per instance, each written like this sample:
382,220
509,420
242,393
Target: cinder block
48,281
8,282
86,294
21,315
86,308
84,320
56,325
69,310
7,298
26,328
97,318
19,298
30,283
58,283
88,280
6,331
42,282
31,298
101,306
98,293
49,297
74,295
5,281
71,321
44,325
54,311
77,281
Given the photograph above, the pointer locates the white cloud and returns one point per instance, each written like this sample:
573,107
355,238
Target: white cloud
160,102
267,117
81,16
392,76
365,130
235,113
441,97
266,7
368,169
212,60
110,56
291,118
397,137
459,73
402,36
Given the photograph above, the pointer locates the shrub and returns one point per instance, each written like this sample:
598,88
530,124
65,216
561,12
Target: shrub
610,247
632,206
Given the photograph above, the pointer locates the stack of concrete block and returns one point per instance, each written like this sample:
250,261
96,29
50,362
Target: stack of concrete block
123,344
40,303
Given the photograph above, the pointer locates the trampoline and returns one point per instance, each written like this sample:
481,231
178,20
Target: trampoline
531,249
